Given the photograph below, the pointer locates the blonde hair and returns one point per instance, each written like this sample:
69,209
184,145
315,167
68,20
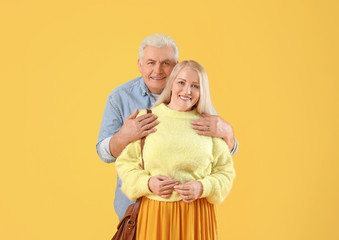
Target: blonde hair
204,104
158,40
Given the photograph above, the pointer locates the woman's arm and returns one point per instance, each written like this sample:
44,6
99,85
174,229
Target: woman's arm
218,184
129,168
137,182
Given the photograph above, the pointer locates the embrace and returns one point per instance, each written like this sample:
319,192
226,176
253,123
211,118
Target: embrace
187,153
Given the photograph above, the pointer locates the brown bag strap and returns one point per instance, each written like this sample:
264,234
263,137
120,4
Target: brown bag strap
143,143
138,201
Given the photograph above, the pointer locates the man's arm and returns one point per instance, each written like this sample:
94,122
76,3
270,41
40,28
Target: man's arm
115,133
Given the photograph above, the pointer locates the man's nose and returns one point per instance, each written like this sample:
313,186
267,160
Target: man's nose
157,68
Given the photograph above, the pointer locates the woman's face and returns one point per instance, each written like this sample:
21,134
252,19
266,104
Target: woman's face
185,90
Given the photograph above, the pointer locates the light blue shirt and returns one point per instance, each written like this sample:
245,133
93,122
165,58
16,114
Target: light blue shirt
121,103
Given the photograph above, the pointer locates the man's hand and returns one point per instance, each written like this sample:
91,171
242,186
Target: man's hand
134,128
189,191
211,125
162,186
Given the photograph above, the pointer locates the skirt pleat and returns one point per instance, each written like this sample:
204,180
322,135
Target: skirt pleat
160,220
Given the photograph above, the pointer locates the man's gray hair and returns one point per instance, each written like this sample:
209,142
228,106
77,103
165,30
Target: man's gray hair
158,40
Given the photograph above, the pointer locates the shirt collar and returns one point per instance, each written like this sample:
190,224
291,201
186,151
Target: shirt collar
145,91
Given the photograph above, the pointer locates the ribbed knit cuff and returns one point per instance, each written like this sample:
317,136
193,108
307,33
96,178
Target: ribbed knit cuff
143,183
207,187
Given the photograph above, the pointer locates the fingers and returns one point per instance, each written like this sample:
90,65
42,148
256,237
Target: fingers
148,132
147,122
134,114
201,127
166,194
164,178
162,186
200,122
149,126
167,183
189,191
205,133
186,195
183,187
147,118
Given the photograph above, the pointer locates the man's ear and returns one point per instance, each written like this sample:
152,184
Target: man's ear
139,65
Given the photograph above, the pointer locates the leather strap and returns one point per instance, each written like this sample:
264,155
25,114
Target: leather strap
138,201
143,143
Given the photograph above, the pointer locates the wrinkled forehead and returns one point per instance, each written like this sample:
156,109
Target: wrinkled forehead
158,54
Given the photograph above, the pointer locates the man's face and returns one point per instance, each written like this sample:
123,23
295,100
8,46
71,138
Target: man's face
156,66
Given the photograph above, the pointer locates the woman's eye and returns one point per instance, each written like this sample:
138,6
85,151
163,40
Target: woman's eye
195,86
181,82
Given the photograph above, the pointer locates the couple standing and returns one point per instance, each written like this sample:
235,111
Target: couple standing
188,165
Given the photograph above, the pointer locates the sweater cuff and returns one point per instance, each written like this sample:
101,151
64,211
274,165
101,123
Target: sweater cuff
143,183
207,187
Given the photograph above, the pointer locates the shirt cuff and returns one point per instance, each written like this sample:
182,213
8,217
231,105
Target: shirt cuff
104,152
235,148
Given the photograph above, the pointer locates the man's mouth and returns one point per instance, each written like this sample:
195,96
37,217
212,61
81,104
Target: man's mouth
158,78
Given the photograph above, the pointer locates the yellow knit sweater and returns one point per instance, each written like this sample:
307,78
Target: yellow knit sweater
176,150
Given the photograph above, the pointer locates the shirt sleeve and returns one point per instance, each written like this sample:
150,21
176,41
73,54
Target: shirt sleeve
218,184
235,148
129,168
111,123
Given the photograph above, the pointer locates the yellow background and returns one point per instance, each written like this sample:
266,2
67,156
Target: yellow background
273,70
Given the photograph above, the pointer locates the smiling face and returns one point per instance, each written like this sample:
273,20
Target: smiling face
156,66
185,90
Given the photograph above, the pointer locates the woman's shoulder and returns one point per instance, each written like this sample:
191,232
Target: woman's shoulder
220,143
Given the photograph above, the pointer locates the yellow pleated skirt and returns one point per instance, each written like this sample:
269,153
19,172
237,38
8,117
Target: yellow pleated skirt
158,220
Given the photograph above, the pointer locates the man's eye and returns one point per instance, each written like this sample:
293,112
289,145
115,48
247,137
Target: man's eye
165,63
149,63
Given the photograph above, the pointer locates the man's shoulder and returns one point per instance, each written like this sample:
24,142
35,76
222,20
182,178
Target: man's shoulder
127,88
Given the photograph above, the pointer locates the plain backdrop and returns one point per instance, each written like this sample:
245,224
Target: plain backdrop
273,70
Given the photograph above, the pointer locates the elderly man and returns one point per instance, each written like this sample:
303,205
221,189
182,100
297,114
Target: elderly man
158,54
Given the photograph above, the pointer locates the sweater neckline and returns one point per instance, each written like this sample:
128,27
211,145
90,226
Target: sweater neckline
170,111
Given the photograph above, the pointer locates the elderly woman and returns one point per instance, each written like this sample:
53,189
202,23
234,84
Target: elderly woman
184,173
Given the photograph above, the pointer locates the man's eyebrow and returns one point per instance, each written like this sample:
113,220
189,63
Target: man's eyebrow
152,60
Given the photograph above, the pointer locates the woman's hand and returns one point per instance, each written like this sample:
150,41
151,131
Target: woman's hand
162,186
189,191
